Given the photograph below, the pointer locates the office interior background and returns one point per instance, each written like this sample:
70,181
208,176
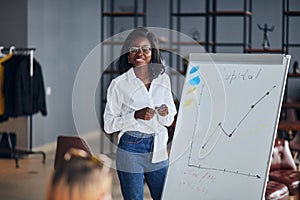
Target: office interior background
65,32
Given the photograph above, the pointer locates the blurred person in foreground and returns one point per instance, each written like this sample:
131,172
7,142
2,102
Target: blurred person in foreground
81,177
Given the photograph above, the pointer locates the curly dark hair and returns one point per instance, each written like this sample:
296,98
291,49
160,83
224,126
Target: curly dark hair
157,67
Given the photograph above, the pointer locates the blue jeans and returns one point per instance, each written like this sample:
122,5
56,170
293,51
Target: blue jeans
134,166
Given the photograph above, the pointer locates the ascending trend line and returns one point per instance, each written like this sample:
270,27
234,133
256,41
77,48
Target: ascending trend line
251,175
246,115
229,134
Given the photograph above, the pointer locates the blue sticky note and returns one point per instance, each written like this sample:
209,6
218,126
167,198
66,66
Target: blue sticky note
194,69
195,80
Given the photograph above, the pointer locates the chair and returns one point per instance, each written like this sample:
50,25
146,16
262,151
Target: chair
294,144
276,191
64,143
283,168
292,125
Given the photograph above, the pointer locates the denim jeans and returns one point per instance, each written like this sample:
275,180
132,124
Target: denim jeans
134,166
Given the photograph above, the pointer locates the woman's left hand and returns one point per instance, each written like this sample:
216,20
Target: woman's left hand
162,110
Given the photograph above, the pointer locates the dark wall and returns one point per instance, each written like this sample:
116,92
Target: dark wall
13,29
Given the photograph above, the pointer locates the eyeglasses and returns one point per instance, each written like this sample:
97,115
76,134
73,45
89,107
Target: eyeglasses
144,49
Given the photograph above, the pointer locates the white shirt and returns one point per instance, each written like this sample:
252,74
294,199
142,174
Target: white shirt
125,95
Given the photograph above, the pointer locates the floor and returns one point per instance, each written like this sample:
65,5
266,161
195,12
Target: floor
28,182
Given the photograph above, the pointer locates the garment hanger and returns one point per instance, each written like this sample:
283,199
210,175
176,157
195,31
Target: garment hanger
1,53
11,49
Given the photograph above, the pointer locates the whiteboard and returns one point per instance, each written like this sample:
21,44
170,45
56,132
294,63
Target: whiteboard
226,126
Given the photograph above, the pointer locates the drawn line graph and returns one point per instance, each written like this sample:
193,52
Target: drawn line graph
229,134
246,115
237,172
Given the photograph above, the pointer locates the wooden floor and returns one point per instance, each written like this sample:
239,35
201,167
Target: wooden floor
28,182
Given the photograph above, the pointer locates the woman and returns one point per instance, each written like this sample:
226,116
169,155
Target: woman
139,106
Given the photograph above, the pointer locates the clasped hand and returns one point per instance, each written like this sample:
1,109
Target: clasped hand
148,113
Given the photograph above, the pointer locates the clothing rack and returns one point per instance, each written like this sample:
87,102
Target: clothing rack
18,153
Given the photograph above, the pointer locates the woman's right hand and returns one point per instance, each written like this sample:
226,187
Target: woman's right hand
144,113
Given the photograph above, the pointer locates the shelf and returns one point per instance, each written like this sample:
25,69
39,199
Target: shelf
260,50
133,11
229,44
123,14
293,45
231,13
245,12
292,13
176,14
293,75
287,24
286,125
291,105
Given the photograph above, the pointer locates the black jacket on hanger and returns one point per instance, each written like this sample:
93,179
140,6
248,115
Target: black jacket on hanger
19,99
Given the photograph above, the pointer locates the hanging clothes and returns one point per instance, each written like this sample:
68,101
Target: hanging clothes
30,102
2,100
19,100
3,59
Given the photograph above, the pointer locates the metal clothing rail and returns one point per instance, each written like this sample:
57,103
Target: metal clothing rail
18,153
